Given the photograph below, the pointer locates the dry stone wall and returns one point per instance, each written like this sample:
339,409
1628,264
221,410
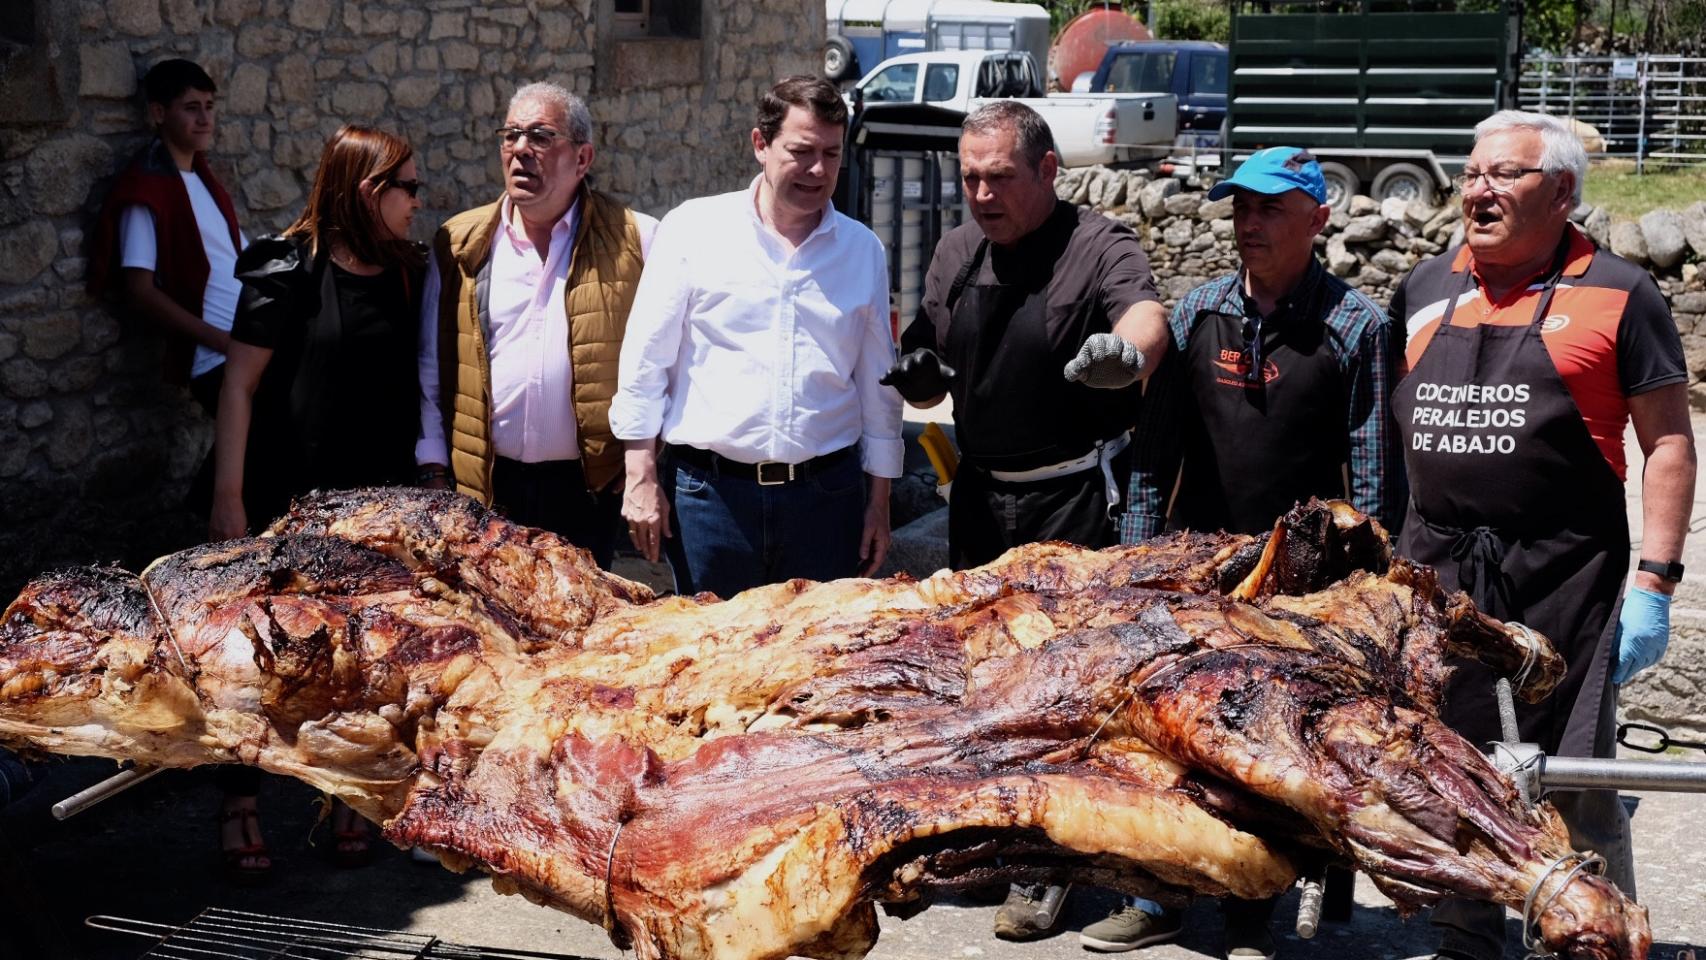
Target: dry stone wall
1372,246
95,453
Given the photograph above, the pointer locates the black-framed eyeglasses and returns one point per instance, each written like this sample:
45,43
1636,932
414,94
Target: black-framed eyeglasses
539,138
410,187
1500,179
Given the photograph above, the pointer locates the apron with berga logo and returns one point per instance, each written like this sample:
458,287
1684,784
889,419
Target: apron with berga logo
1272,403
1513,502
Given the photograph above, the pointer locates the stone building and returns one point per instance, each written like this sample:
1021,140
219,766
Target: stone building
95,452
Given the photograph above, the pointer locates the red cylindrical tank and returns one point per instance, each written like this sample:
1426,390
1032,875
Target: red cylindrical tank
1080,46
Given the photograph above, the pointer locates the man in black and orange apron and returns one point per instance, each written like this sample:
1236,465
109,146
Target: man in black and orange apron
1278,390
1529,351
1038,318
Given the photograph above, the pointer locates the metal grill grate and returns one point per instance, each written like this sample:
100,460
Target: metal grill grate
220,934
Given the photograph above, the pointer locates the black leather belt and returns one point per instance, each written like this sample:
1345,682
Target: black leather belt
770,473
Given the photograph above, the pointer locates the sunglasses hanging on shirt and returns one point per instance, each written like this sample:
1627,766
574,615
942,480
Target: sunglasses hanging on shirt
1253,350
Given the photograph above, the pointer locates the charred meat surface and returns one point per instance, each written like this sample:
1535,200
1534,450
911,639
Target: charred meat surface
745,778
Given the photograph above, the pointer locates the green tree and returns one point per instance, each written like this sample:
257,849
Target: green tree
1550,24
1174,19
1192,20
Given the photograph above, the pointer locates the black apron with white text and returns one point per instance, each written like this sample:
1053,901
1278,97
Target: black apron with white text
1271,400
1512,501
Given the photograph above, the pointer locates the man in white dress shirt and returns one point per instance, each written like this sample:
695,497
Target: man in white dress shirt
523,312
756,342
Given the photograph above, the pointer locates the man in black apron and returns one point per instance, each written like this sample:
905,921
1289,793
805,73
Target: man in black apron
1038,318
1529,351
1278,390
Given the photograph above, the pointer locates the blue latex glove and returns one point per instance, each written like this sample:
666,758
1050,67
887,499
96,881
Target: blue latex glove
1643,631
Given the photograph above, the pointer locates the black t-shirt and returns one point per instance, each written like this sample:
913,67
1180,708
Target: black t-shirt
1080,255
1023,316
338,403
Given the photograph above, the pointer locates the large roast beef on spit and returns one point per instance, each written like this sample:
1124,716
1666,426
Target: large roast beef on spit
745,778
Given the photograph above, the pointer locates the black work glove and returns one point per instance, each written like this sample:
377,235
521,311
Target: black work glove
919,376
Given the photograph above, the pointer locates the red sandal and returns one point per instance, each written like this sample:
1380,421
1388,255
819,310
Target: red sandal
351,843
248,864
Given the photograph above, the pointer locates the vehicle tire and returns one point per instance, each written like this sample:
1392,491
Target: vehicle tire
838,60
1342,184
1406,180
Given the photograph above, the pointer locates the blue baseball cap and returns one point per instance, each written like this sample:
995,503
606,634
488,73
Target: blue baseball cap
1274,171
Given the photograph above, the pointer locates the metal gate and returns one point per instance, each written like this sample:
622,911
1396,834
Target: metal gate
1650,108
913,198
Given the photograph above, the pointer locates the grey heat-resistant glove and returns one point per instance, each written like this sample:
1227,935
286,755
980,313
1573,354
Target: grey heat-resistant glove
1107,361
919,376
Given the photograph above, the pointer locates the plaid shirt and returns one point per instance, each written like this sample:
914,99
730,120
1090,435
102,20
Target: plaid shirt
1361,338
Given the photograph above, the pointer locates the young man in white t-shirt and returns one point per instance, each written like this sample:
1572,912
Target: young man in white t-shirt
166,247
167,240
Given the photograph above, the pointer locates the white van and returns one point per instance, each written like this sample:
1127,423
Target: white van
1088,128
950,79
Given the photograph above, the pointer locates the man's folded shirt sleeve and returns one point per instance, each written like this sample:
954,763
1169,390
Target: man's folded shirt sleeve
881,450
653,338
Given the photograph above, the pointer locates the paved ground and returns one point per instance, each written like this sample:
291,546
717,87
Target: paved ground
149,854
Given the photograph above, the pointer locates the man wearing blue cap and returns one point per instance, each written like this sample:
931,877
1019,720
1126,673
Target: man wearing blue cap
1279,392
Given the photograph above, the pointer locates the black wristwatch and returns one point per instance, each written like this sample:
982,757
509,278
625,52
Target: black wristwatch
1665,571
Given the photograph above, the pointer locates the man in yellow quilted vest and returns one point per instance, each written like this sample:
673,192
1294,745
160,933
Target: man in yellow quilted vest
759,335
525,303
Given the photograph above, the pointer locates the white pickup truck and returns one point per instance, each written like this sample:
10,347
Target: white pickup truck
1088,128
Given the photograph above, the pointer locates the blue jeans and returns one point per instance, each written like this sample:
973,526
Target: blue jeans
737,534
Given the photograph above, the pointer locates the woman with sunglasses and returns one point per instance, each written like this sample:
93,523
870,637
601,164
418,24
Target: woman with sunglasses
320,386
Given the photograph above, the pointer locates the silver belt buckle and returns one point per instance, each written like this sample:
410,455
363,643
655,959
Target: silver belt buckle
786,478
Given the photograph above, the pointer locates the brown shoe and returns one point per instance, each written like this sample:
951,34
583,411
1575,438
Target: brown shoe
1031,911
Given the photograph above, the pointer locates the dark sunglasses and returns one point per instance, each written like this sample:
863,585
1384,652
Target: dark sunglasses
410,187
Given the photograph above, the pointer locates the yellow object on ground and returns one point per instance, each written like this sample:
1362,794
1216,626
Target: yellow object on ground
941,451
942,456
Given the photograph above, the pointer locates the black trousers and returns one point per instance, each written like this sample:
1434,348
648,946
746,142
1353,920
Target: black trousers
987,517
552,495
205,390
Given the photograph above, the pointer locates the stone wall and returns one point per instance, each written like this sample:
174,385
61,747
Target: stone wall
1372,246
95,452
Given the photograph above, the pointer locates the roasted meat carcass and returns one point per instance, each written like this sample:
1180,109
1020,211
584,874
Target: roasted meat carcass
744,778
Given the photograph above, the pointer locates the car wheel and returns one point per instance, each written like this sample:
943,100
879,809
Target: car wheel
1405,181
837,59
1342,184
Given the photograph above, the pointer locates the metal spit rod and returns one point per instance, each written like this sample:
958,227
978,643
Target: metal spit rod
115,784
1584,773
1309,902
1534,771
